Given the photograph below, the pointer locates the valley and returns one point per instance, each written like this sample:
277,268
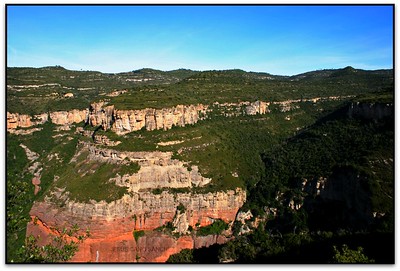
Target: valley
161,166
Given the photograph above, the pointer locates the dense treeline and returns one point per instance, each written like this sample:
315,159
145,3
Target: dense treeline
354,156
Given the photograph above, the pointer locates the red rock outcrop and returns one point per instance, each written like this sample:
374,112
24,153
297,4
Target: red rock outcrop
121,246
112,224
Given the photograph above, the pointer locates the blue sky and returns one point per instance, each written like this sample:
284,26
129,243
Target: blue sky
282,40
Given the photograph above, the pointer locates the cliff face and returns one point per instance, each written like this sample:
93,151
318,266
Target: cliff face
257,107
68,117
15,120
125,121
112,224
100,115
370,111
157,169
155,119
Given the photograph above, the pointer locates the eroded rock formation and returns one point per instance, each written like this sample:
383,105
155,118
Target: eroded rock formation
15,120
125,121
112,224
68,117
155,119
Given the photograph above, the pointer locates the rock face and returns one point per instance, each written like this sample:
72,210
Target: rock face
100,115
370,111
15,120
157,169
124,121
157,119
257,107
242,108
147,211
111,224
152,247
68,117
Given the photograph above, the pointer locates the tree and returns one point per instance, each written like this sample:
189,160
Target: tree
347,255
184,256
61,248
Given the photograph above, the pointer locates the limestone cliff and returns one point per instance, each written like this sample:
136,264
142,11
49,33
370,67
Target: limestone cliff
68,117
155,119
15,120
157,169
125,121
101,115
111,224
141,208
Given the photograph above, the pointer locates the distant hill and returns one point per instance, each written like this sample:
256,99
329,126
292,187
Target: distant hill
155,88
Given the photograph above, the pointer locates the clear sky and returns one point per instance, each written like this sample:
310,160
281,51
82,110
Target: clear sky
283,40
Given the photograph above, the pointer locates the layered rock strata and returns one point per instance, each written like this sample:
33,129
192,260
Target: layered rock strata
157,119
125,121
157,169
15,120
68,117
112,224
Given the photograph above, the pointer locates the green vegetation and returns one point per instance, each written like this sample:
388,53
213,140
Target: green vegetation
87,180
268,247
217,227
138,234
347,255
61,248
166,228
185,256
270,156
19,197
181,208
157,89
338,149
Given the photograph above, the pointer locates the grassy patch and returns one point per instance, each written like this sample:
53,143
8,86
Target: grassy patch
217,227
86,179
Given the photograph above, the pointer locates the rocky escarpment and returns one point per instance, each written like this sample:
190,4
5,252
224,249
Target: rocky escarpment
15,120
143,210
124,121
370,111
157,169
112,224
157,119
68,117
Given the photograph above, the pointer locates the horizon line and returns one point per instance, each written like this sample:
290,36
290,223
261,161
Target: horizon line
195,70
